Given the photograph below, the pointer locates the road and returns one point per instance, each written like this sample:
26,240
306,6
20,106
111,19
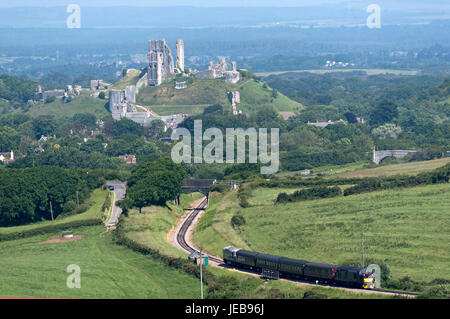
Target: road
182,240
119,193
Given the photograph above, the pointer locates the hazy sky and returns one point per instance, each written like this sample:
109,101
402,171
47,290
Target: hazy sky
391,4
203,3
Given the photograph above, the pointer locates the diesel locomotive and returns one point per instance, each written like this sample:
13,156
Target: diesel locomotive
299,269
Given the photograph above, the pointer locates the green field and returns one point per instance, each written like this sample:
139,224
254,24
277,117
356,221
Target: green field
358,169
411,168
408,229
107,269
200,92
367,71
151,227
177,109
80,104
253,94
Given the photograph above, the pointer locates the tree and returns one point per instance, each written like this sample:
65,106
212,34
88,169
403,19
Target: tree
84,120
9,139
102,95
351,118
384,112
213,109
125,126
155,128
44,125
388,130
155,183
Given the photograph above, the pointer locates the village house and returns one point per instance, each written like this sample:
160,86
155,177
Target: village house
129,159
7,157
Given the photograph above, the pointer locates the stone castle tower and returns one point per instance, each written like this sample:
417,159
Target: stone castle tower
180,54
160,62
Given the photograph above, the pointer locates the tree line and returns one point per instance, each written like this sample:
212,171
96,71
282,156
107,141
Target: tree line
42,193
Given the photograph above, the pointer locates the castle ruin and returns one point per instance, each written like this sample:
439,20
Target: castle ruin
180,55
160,62
220,71
122,101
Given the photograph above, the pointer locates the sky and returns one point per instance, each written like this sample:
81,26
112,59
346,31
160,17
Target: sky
202,3
391,4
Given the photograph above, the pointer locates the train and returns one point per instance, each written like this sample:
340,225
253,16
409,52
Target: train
283,267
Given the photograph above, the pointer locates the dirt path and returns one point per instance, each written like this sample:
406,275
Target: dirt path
57,239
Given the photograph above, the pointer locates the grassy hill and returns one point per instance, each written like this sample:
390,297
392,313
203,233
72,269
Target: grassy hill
367,71
32,268
367,169
38,270
405,228
165,99
80,104
152,228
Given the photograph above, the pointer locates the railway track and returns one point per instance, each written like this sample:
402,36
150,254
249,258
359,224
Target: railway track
183,231
180,239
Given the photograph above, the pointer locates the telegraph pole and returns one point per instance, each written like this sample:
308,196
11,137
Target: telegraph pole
78,201
201,277
51,210
362,248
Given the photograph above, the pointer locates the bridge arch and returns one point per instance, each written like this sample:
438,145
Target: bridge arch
378,156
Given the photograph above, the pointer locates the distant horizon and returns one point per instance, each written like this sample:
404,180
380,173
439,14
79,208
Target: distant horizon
170,3
391,4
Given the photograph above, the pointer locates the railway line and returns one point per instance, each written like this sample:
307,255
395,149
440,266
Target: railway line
181,240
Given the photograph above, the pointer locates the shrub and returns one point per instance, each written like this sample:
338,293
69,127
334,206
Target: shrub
237,220
310,193
310,294
439,292
221,188
69,206
50,99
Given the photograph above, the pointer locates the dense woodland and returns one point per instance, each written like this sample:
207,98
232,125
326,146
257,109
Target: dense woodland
42,193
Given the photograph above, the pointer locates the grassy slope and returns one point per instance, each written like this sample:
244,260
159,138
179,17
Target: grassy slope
253,94
358,169
97,199
165,99
150,228
411,168
130,79
408,228
107,270
80,104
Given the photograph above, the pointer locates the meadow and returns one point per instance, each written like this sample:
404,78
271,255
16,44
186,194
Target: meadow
411,168
79,104
370,169
152,226
408,229
108,270
367,71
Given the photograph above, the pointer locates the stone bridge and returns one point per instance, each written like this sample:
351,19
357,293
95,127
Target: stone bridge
197,185
378,156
